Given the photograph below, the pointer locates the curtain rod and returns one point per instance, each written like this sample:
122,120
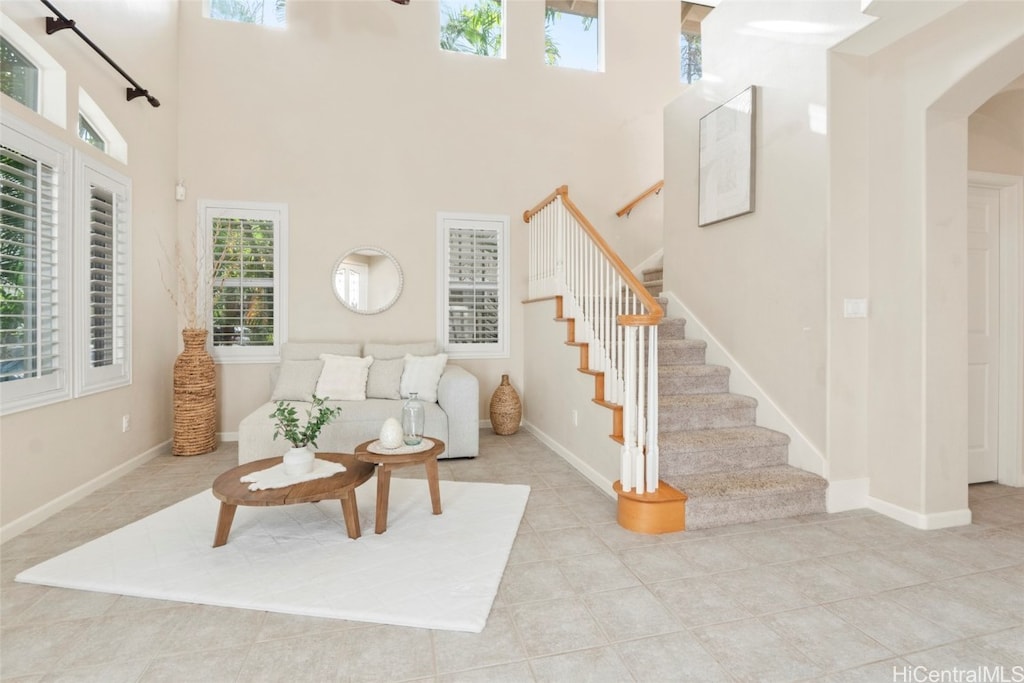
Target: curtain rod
62,22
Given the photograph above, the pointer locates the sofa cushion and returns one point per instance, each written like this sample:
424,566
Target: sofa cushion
421,375
393,351
296,380
343,377
385,378
312,350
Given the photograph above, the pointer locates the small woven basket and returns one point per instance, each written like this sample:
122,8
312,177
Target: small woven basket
506,410
195,397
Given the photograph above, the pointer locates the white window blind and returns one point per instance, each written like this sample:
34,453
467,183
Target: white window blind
473,286
104,310
246,256
32,271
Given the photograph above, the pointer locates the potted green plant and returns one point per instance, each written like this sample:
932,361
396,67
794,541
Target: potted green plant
299,460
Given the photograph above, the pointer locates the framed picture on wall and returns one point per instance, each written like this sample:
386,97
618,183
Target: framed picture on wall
726,182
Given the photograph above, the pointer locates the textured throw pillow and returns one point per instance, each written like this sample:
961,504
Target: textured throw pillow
297,380
343,377
421,375
385,378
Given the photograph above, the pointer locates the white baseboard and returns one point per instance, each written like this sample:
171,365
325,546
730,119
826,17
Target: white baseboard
583,468
802,453
29,520
847,494
935,520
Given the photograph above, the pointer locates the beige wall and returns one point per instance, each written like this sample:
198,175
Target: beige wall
356,120
56,450
757,282
873,209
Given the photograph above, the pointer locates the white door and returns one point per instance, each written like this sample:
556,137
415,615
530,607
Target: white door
982,334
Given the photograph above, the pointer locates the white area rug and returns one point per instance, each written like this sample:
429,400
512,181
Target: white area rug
439,572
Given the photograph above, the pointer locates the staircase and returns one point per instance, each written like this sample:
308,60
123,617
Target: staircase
731,470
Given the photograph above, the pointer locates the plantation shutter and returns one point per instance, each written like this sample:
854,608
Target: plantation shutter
29,275
474,290
473,270
243,281
102,234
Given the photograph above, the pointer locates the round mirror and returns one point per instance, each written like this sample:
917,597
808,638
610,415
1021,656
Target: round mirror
367,280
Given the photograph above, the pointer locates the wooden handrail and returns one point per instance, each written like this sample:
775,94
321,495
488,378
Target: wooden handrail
559,191
653,189
655,314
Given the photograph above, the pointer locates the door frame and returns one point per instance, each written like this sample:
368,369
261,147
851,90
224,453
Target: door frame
1011,320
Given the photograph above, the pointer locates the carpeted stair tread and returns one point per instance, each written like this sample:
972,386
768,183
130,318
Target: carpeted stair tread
740,484
671,328
692,379
681,351
697,451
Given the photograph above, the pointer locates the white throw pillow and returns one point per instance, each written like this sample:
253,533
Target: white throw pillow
343,377
421,375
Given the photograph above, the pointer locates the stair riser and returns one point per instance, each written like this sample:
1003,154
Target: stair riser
703,514
673,418
718,460
674,385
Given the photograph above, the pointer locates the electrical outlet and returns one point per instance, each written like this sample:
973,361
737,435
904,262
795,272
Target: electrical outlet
126,423
575,418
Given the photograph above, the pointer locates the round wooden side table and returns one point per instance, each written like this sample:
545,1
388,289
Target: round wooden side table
387,462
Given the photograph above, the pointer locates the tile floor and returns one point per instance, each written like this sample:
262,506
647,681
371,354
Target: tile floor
846,597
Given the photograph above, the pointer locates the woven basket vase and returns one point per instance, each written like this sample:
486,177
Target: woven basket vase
506,410
195,397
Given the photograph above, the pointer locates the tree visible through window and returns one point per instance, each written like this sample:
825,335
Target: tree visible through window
691,16
571,38
266,12
243,282
19,77
473,28
30,320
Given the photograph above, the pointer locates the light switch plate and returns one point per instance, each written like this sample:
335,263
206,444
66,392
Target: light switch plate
855,308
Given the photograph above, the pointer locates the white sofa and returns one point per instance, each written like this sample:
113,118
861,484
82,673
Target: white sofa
453,418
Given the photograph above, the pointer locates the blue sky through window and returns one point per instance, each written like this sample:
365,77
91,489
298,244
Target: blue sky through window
577,47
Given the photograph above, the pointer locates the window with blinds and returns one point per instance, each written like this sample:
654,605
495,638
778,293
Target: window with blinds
473,285
103,312
33,275
245,247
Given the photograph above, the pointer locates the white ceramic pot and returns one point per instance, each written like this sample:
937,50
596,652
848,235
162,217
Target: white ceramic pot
299,461
391,434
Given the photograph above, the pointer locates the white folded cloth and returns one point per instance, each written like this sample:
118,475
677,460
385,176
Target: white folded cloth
275,477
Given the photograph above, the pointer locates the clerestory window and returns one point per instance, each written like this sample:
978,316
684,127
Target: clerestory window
473,26
692,14
264,12
19,76
572,34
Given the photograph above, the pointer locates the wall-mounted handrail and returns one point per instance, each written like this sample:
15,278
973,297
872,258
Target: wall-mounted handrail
61,22
653,189
615,324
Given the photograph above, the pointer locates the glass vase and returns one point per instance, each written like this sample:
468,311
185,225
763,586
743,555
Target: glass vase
413,415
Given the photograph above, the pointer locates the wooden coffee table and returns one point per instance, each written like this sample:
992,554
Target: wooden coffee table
386,463
231,492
